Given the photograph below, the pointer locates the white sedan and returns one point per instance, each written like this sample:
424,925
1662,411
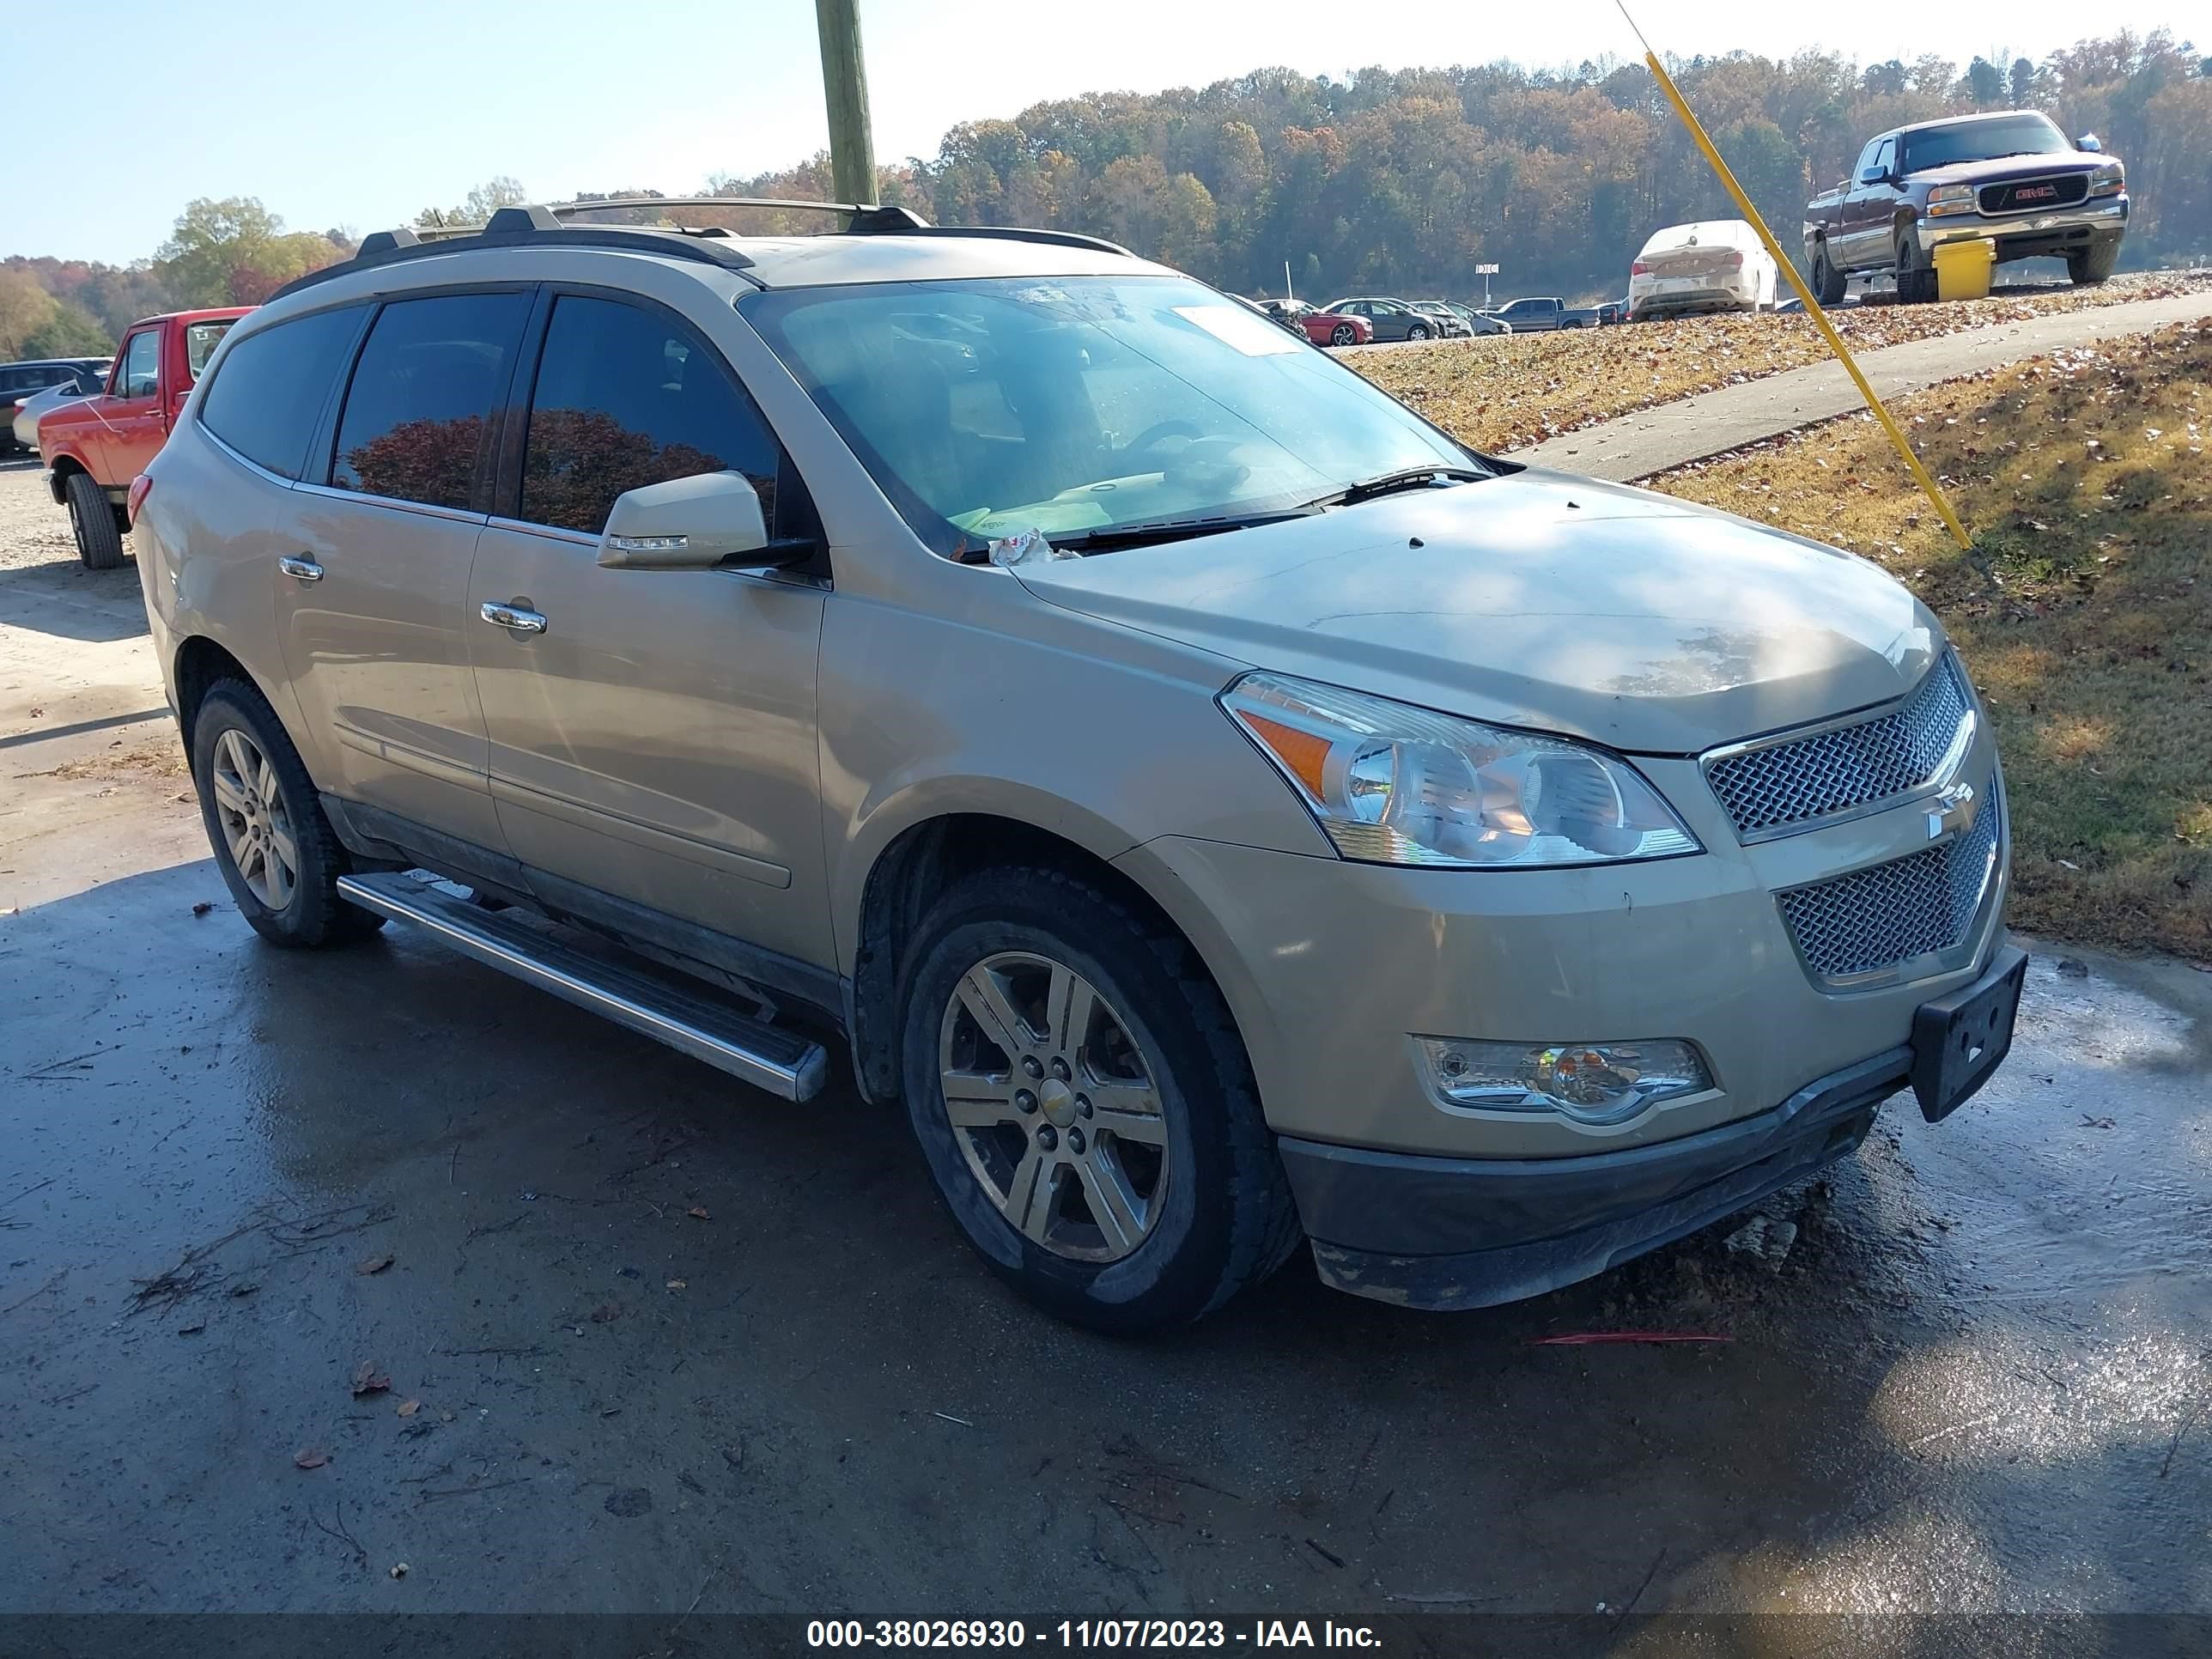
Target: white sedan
1714,264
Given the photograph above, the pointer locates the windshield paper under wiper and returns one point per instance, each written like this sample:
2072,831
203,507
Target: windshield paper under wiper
1412,477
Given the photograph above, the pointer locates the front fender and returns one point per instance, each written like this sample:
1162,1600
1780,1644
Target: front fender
926,798
62,458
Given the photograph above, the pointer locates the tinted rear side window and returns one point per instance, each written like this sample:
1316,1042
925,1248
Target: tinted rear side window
265,402
420,406
624,399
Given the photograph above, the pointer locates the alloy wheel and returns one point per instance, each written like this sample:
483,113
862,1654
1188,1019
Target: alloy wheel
1055,1108
257,827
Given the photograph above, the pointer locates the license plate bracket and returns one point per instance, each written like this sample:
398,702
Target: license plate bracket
1957,1041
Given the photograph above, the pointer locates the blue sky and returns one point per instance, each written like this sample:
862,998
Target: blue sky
360,115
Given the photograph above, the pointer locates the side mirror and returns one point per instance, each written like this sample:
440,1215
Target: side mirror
686,524
2090,142
1873,176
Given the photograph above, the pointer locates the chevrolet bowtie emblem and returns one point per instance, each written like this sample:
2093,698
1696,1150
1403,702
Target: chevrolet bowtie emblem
1951,812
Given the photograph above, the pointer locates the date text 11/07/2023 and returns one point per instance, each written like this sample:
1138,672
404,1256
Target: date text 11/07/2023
987,1635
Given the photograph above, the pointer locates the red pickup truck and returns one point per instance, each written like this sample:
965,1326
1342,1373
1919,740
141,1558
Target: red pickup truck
94,448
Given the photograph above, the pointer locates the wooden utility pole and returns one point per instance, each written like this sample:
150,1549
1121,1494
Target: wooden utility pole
845,86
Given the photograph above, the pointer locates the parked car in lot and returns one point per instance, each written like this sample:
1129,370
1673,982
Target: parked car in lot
1540,316
1613,312
1449,324
1479,322
94,448
20,383
1391,319
2010,176
1223,809
1712,265
1321,327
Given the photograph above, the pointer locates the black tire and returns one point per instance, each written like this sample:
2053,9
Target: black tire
314,914
1418,332
1915,283
93,517
1343,335
1227,1219
1827,283
2094,264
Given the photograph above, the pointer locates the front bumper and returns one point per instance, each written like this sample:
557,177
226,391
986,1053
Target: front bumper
2027,235
1332,968
1454,1233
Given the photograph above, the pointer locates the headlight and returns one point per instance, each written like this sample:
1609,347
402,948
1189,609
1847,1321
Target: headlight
1950,199
2107,178
1393,784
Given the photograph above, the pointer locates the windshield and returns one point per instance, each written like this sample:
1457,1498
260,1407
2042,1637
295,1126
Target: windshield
1082,403
1979,140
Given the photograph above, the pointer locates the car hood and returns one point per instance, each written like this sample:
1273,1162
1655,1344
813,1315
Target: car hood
2011,167
1536,599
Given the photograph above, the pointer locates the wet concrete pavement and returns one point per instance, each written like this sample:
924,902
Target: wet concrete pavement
678,1347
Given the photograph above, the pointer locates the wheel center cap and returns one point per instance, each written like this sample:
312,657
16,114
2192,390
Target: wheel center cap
1058,1101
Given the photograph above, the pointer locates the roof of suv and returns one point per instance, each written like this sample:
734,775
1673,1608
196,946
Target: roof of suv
879,245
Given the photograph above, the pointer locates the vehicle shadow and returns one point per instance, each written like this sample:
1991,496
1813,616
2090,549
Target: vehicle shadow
60,597
635,1290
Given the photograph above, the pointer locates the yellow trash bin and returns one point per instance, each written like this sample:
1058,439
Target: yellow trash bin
1962,269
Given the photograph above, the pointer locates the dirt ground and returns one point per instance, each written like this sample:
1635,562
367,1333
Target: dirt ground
312,1266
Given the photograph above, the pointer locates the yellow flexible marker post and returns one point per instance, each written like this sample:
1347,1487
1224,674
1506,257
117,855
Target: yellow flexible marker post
1788,267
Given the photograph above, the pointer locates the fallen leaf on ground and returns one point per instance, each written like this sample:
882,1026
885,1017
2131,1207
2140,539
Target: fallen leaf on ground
366,1379
202,906
697,1212
407,1407
191,1330
676,1283
373,1264
311,1457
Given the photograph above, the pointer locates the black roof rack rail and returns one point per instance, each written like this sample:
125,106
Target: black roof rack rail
867,219
539,226
865,216
1026,233
388,247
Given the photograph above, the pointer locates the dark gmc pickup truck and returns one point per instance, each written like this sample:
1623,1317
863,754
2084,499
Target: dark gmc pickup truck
2011,176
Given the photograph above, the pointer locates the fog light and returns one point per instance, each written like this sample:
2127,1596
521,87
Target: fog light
1589,1082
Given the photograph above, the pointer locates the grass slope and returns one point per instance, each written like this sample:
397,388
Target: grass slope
1498,393
2084,611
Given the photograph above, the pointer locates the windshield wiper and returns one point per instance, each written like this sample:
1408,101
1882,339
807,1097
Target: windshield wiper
1412,477
1111,537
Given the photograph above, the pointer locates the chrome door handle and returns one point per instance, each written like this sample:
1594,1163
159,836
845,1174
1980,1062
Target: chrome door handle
512,617
305,569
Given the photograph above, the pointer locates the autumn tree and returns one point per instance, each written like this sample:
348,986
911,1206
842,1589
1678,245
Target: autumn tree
235,252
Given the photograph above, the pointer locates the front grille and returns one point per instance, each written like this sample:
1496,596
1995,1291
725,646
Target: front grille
2025,195
1794,780
1875,918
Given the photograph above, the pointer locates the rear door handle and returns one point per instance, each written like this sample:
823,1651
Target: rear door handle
305,569
513,618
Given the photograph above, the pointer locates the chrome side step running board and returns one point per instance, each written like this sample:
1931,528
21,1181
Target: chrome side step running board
764,1055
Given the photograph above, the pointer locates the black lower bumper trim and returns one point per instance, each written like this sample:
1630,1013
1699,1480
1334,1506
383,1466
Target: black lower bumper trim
1450,1233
